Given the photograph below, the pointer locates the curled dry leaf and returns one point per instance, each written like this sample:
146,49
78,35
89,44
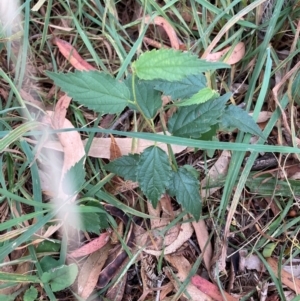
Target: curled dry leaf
160,21
251,262
92,246
69,52
236,55
185,234
162,215
217,171
60,112
183,268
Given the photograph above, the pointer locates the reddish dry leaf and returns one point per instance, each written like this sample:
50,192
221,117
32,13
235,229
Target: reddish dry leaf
236,55
211,289
154,43
92,246
89,273
160,21
68,51
286,278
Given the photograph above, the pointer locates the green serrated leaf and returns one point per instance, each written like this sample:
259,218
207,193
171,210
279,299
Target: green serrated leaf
195,120
182,89
238,118
96,90
61,277
211,134
91,222
153,173
148,99
125,166
201,97
74,178
171,65
30,294
186,188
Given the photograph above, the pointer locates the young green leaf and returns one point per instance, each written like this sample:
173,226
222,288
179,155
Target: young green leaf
125,166
61,277
148,99
48,246
74,178
184,88
268,249
185,187
96,90
171,65
200,97
30,294
195,120
238,118
153,173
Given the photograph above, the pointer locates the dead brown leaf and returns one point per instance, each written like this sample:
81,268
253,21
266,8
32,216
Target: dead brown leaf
89,273
100,147
203,241
116,292
115,151
286,278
